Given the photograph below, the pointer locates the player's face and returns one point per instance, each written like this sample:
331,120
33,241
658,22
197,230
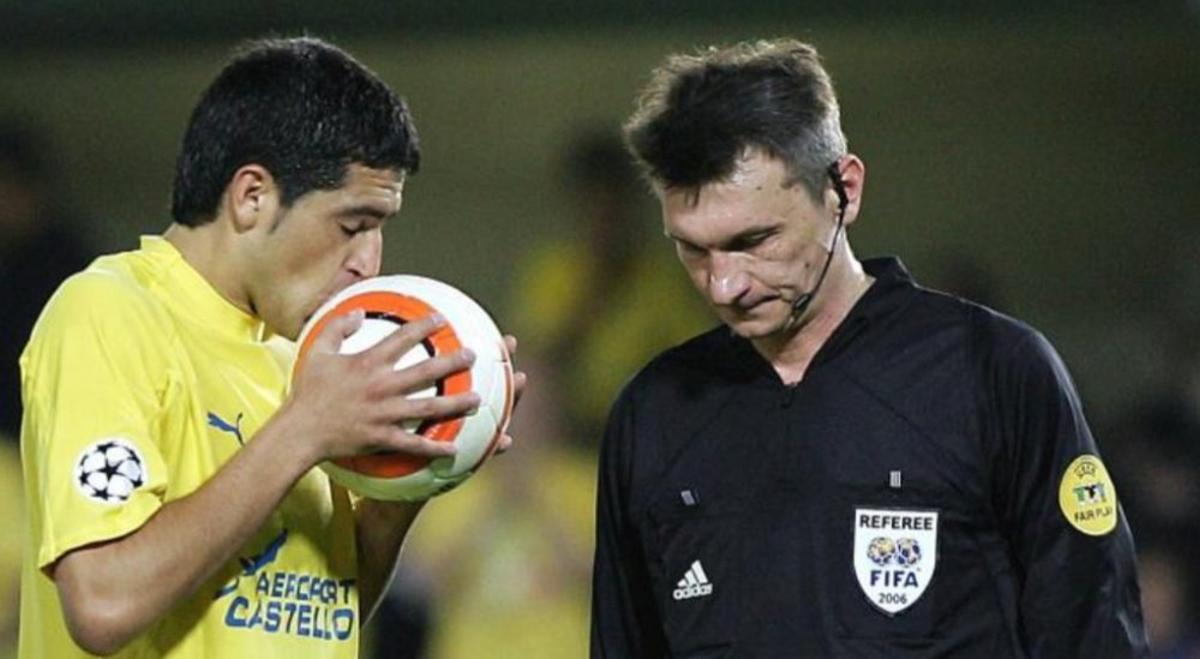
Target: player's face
751,244
326,240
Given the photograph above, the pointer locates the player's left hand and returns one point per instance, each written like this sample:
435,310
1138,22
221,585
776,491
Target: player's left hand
519,379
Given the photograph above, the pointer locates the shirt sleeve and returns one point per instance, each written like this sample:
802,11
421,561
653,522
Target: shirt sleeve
93,382
1071,543
625,622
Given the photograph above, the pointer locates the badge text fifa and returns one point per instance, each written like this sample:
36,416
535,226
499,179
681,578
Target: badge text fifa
895,553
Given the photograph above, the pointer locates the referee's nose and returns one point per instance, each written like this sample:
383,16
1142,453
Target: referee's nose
727,280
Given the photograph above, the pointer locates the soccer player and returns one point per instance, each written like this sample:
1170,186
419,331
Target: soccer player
852,465
174,506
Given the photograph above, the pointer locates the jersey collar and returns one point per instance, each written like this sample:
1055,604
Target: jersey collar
891,290
195,298
887,293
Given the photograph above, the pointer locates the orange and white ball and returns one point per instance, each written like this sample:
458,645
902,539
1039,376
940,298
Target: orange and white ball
392,301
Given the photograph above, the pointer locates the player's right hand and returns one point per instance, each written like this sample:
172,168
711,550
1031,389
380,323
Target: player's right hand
354,404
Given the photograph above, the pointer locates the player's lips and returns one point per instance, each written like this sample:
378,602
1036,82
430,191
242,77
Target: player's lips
337,288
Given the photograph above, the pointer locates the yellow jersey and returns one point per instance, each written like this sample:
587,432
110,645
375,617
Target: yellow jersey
139,381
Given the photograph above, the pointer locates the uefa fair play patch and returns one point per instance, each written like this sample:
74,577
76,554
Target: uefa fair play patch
1087,496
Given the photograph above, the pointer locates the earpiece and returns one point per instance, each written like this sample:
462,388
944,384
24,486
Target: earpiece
801,303
838,187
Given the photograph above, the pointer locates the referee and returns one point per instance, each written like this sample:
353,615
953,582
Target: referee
853,465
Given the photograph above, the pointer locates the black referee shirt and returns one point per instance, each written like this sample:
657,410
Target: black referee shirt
930,488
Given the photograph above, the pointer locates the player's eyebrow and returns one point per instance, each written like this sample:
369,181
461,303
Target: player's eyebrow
359,210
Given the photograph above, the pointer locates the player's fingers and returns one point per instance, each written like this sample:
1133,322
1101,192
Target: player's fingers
433,407
331,337
505,443
396,344
418,445
510,344
426,373
519,380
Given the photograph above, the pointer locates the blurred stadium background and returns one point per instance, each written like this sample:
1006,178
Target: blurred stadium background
1042,157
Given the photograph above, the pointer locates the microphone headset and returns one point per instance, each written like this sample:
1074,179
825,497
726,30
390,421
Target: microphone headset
801,303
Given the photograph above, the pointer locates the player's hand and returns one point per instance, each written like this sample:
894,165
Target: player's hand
519,380
354,404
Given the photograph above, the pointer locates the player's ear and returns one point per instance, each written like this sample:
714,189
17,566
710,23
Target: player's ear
252,197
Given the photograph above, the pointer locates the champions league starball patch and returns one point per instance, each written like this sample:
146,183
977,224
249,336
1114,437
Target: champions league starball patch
1087,496
110,470
895,553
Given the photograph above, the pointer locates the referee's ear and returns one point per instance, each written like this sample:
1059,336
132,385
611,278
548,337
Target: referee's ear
251,197
853,174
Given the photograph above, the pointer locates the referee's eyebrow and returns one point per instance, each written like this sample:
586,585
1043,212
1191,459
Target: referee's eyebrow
747,237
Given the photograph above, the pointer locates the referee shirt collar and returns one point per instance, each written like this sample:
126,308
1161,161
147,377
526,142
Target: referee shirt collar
892,289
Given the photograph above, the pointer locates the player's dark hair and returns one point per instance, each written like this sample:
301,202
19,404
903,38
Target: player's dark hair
701,113
301,108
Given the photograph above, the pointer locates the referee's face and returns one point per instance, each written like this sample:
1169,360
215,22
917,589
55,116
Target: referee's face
326,240
752,244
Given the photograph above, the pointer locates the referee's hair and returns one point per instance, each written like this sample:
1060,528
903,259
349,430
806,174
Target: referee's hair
301,108
700,113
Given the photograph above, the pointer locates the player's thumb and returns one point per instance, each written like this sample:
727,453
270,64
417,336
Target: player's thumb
330,339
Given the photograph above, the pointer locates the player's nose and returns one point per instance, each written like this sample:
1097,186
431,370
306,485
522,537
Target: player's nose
366,256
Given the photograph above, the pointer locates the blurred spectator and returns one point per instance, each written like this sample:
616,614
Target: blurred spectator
1170,621
38,249
1162,446
12,541
598,302
507,557
1158,464
508,554
401,625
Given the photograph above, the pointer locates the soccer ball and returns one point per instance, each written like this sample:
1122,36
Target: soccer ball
390,302
109,471
881,551
908,552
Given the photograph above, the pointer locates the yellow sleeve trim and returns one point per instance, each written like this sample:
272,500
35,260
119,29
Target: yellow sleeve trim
132,515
